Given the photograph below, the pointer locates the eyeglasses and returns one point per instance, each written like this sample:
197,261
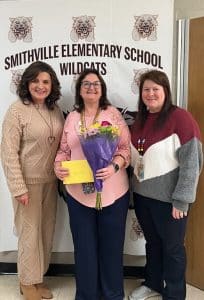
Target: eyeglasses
87,84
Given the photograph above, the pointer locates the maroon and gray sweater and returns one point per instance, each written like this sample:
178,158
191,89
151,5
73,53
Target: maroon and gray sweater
172,158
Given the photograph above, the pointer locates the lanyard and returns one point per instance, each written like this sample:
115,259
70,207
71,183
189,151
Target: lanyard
140,146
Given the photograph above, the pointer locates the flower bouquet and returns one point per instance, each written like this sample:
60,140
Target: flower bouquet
99,142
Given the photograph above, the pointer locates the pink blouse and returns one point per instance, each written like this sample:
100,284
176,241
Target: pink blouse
70,149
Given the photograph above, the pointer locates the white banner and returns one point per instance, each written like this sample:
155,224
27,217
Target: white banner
120,38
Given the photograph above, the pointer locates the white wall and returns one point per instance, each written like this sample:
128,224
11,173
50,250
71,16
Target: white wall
188,8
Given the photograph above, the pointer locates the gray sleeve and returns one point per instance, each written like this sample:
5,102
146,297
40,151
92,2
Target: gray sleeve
190,157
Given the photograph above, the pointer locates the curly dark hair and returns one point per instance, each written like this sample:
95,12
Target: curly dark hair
30,73
159,78
79,102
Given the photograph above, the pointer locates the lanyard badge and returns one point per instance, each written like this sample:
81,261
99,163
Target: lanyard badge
140,165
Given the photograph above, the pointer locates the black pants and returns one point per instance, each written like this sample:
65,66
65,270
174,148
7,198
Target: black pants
98,238
165,251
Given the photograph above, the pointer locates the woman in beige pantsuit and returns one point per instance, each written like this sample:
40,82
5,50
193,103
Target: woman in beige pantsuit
31,133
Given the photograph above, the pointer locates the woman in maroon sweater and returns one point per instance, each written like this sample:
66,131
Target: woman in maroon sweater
167,160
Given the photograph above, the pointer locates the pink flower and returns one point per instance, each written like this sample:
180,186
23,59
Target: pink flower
105,123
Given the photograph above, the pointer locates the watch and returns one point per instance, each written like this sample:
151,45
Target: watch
116,166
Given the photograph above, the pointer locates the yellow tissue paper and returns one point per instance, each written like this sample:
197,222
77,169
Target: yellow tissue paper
79,171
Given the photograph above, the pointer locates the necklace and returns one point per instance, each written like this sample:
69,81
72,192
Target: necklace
83,119
51,137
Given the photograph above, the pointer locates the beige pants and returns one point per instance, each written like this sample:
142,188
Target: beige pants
35,225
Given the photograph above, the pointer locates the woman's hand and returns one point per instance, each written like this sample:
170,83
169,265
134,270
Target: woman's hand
178,214
23,199
60,172
105,173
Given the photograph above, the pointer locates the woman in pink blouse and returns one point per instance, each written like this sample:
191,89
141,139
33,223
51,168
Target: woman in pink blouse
98,235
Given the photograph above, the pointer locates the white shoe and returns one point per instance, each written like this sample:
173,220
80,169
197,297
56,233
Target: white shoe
142,293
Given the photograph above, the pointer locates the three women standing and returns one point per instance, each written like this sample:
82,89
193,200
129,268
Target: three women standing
166,157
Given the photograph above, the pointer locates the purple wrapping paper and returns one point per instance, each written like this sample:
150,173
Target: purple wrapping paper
99,151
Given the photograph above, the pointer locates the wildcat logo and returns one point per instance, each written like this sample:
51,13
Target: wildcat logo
83,28
15,79
136,80
145,27
20,29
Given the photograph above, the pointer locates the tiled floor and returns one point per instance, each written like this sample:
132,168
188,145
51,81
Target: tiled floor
64,288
